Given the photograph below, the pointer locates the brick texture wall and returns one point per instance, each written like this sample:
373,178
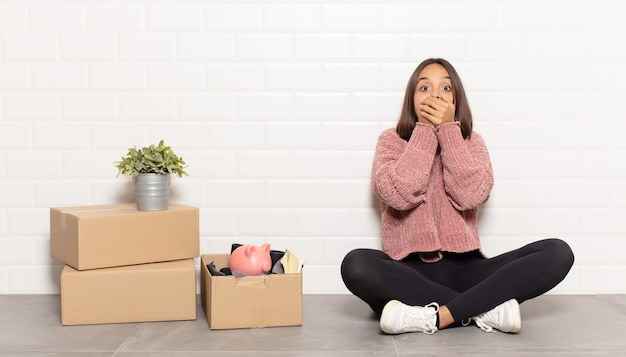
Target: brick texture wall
276,106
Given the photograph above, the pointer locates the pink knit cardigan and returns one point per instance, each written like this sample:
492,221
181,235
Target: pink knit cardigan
429,189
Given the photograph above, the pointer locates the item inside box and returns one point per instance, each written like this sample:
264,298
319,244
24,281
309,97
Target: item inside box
282,262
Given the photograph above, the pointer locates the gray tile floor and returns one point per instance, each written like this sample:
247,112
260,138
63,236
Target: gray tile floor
334,325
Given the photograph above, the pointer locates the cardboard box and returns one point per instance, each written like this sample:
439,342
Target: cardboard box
138,293
91,237
250,301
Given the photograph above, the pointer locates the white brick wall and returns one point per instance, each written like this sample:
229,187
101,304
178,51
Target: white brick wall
276,106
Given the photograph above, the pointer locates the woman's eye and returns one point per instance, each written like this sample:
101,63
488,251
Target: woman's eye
423,88
447,88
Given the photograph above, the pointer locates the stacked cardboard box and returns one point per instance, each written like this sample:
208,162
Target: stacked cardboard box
124,265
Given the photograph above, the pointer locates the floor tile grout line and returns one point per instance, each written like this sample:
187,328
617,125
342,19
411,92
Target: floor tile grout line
604,299
126,339
395,348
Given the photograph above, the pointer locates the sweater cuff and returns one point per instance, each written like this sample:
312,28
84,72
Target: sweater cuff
419,152
423,136
423,130
446,127
449,132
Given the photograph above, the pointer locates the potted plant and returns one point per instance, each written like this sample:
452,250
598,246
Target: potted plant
150,167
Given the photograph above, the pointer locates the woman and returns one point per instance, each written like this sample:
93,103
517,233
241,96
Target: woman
430,174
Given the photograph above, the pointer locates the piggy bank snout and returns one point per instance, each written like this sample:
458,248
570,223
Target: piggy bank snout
251,260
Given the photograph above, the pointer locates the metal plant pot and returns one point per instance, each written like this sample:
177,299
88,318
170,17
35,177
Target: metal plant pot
152,191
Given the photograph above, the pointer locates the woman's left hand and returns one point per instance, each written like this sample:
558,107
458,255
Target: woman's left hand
437,111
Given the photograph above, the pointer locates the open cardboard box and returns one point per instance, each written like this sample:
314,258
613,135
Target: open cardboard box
251,301
92,237
137,293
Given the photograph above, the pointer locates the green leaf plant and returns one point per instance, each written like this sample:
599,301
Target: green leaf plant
151,160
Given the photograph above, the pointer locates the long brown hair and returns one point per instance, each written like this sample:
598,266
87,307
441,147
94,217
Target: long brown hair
408,118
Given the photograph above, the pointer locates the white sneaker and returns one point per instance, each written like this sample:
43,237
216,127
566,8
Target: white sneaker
505,317
400,318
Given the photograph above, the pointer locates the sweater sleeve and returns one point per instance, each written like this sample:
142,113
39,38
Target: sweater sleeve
467,171
401,169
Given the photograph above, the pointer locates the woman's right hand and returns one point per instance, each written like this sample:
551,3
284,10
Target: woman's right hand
436,111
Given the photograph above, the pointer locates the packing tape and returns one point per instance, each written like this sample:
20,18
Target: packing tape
88,210
254,281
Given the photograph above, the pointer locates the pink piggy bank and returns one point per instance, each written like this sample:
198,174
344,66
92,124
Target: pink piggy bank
251,260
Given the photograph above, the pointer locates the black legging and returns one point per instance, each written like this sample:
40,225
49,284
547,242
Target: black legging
468,284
